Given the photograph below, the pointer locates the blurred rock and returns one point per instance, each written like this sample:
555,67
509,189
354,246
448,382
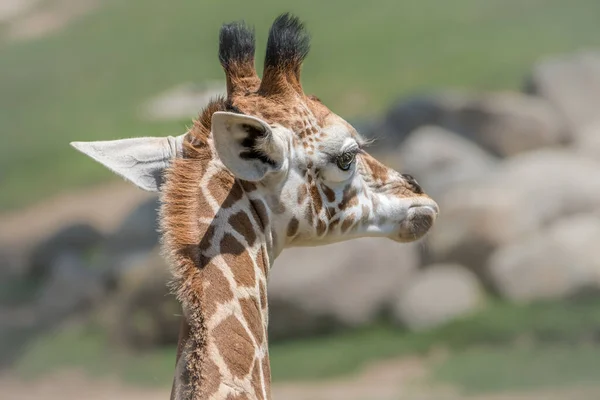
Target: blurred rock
142,313
440,159
139,229
522,195
69,288
14,9
554,263
14,263
348,284
436,295
571,83
587,142
77,239
406,115
135,238
182,102
504,123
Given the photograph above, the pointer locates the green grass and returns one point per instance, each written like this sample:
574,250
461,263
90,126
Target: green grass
78,347
87,82
505,347
502,327
489,369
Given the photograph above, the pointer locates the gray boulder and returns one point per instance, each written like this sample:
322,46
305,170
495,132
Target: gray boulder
571,83
347,284
79,238
503,123
587,142
440,159
70,288
14,264
560,261
437,295
524,194
142,313
138,230
403,117
134,238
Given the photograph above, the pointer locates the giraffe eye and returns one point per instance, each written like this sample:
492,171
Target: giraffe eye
345,160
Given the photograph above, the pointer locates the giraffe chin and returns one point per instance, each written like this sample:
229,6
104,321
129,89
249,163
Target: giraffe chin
419,220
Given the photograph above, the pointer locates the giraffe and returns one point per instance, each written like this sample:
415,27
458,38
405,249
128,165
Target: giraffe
263,168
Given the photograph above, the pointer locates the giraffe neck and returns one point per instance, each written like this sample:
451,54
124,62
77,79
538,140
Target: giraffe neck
214,235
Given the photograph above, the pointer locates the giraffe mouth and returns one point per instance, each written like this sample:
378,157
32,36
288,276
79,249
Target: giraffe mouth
425,208
419,219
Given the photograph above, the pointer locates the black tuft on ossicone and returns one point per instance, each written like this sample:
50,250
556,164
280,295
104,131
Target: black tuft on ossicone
288,43
236,44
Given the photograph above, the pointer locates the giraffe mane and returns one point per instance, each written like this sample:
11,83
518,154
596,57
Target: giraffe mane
198,135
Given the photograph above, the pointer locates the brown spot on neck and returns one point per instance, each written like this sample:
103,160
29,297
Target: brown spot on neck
252,314
331,212
241,223
239,261
261,212
248,186
348,223
308,214
321,227
316,198
235,194
267,373
334,223
211,380
350,198
217,290
262,291
235,346
329,193
256,375
302,194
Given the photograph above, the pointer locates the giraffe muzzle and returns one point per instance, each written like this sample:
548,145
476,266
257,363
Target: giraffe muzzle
420,217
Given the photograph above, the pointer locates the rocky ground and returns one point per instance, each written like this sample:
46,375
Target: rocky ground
390,380
514,174
26,226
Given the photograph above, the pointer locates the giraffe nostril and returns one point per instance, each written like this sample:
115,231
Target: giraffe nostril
414,185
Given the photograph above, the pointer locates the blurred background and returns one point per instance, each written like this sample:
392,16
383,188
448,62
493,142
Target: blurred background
494,106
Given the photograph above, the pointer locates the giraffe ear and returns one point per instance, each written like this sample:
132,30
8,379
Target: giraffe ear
141,161
247,146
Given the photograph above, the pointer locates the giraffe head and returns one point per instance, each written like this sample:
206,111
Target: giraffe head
308,166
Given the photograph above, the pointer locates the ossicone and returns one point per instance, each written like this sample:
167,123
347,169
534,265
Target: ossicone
287,47
236,54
